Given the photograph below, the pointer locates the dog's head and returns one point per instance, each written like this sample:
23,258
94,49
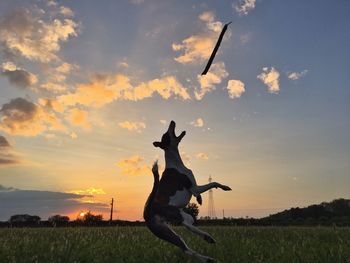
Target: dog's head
169,139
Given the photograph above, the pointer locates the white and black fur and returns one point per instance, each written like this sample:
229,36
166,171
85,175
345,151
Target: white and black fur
172,193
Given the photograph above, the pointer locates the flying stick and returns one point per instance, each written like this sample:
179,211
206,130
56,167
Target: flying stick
215,49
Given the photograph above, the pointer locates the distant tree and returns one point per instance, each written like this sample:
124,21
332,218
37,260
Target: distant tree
25,218
91,218
340,207
58,220
192,209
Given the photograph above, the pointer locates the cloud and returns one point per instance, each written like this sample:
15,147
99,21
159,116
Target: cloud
56,77
43,203
207,82
101,90
133,166
198,122
197,48
202,156
297,75
33,34
271,79
6,189
185,157
132,126
17,76
235,88
73,135
89,191
78,117
7,156
123,64
66,11
52,104
244,6
3,142
22,117
104,89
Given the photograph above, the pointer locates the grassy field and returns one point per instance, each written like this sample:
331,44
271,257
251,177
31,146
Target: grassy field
137,244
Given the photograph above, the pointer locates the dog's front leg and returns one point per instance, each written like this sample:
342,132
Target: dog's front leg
198,189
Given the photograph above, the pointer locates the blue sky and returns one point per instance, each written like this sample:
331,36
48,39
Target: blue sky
83,101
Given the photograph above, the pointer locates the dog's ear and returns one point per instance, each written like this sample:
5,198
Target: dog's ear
181,135
156,144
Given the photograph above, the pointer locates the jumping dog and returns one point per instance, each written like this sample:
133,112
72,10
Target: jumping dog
173,192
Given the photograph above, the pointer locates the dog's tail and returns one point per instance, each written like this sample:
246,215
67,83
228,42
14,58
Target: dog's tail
152,195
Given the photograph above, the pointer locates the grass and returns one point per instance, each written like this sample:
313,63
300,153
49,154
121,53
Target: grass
137,244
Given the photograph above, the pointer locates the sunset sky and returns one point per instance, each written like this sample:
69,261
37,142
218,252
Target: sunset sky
87,86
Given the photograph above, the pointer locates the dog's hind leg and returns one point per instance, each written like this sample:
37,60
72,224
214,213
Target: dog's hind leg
188,223
163,231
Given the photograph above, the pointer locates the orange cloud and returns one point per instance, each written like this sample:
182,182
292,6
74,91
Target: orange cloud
7,155
55,77
198,122
271,79
104,89
33,35
197,48
235,88
202,156
17,76
78,117
52,104
133,166
22,117
132,126
88,191
207,82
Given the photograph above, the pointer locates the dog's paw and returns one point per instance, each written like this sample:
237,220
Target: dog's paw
226,188
209,239
211,260
199,199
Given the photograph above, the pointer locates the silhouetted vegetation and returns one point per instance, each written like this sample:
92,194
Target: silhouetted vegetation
334,213
323,211
58,220
24,219
90,219
192,209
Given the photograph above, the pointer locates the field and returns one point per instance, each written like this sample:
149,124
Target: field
137,244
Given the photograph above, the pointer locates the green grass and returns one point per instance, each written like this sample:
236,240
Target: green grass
137,244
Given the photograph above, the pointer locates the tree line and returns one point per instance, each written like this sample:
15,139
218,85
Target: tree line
334,213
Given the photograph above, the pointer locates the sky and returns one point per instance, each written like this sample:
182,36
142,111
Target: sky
86,87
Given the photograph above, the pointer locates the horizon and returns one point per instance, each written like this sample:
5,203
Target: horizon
86,89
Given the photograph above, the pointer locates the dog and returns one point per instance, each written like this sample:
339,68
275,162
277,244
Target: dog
173,192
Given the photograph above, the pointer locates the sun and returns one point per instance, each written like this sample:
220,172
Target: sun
82,214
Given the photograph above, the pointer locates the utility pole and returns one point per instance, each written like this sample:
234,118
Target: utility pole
111,217
223,213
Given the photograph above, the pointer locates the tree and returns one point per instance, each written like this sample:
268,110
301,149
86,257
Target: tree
58,220
192,209
91,218
24,218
